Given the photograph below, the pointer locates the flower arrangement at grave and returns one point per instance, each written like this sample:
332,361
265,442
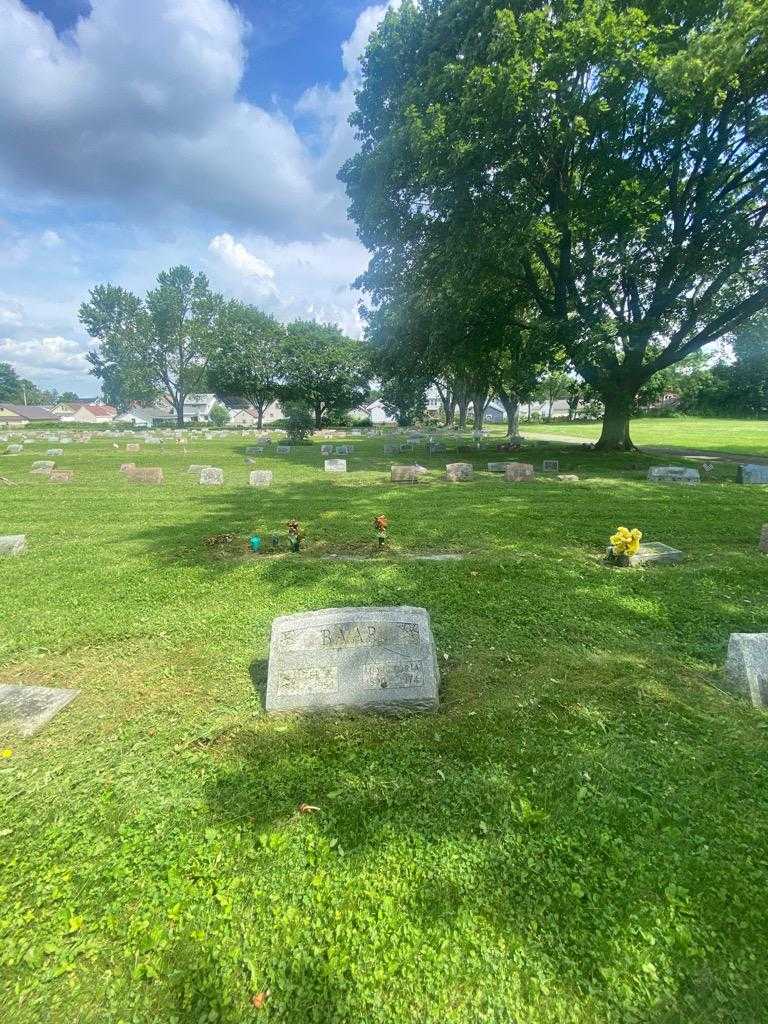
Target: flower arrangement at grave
381,525
624,544
295,534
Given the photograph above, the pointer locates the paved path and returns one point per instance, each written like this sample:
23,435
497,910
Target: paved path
653,449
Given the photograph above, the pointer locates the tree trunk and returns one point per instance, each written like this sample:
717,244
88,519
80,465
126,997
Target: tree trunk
318,415
512,409
449,411
259,416
463,404
178,404
618,412
479,402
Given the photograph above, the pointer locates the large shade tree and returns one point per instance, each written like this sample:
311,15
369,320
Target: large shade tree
250,359
159,345
612,157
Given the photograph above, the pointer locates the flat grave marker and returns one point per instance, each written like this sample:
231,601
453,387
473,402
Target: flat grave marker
13,544
459,472
673,475
260,478
746,667
335,465
211,476
26,709
519,472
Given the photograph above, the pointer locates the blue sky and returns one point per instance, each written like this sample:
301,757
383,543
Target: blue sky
135,134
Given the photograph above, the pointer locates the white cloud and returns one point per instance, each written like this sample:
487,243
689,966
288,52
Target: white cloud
55,356
51,239
240,259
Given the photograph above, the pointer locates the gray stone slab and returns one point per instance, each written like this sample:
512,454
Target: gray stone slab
653,553
54,453
519,473
746,667
326,449
335,465
14,449
197,468
406,474
380,659
283,449
497,467
212,476
673,475
568,478
550,466
458,472
13,544
26,709
260,478
751,473
42,467
61,476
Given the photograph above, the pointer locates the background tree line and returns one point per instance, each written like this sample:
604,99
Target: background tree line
20,391
183,338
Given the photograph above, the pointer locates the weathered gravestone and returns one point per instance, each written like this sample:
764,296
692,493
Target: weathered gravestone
197,469
764,539
211,476
673,475
147,475
497,467
746,667
13,544
253,449
568,478
133,447
406,474
260,478
752,473
550,466
519,472
26,709
128,467
343,449
61,476
326,449
42,467
335,465
458,472
283,449
14,449
54,453
653,553
370,658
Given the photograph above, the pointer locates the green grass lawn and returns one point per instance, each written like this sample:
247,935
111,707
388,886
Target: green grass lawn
748,437
578,836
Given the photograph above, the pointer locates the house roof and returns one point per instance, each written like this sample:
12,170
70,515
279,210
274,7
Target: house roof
96,410
10,411
147,412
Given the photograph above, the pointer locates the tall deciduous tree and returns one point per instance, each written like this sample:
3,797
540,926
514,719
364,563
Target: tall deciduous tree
325,369
161,344
613,158
250,360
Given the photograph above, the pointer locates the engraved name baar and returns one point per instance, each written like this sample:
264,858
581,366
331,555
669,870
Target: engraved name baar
347,635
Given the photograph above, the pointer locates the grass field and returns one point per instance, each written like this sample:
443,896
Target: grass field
578,836
742,437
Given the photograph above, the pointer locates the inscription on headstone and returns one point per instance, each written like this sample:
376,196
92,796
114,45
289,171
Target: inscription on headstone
369,658
406,474
550,466
519,472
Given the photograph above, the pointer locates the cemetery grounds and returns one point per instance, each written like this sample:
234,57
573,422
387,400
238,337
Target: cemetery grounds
578,836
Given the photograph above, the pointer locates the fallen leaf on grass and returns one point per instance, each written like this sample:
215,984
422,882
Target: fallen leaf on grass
259,999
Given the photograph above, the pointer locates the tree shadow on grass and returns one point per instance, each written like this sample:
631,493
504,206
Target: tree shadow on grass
592,828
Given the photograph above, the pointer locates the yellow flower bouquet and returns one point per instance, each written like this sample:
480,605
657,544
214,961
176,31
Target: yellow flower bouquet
624,544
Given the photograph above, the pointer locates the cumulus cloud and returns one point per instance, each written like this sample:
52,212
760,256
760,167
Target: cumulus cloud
239,258
59,357
139,105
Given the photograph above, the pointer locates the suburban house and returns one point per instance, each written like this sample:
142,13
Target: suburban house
495,413
12,415
85,412
375,412
241,414
147,416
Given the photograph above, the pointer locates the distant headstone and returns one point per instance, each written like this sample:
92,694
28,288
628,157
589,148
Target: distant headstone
343,449
568,478
751,473
42,467
746,667
54,453
519,472
147,475
128,467
14,449
61,476
260,478
326,449
13,544
133,447
26,709
550,466
211,476
335,465
764,539
497,467
653,553
283,449
457,472
406,474
673,475
196,469
379,659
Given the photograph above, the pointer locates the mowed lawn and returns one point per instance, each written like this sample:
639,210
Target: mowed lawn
578,836
747,437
